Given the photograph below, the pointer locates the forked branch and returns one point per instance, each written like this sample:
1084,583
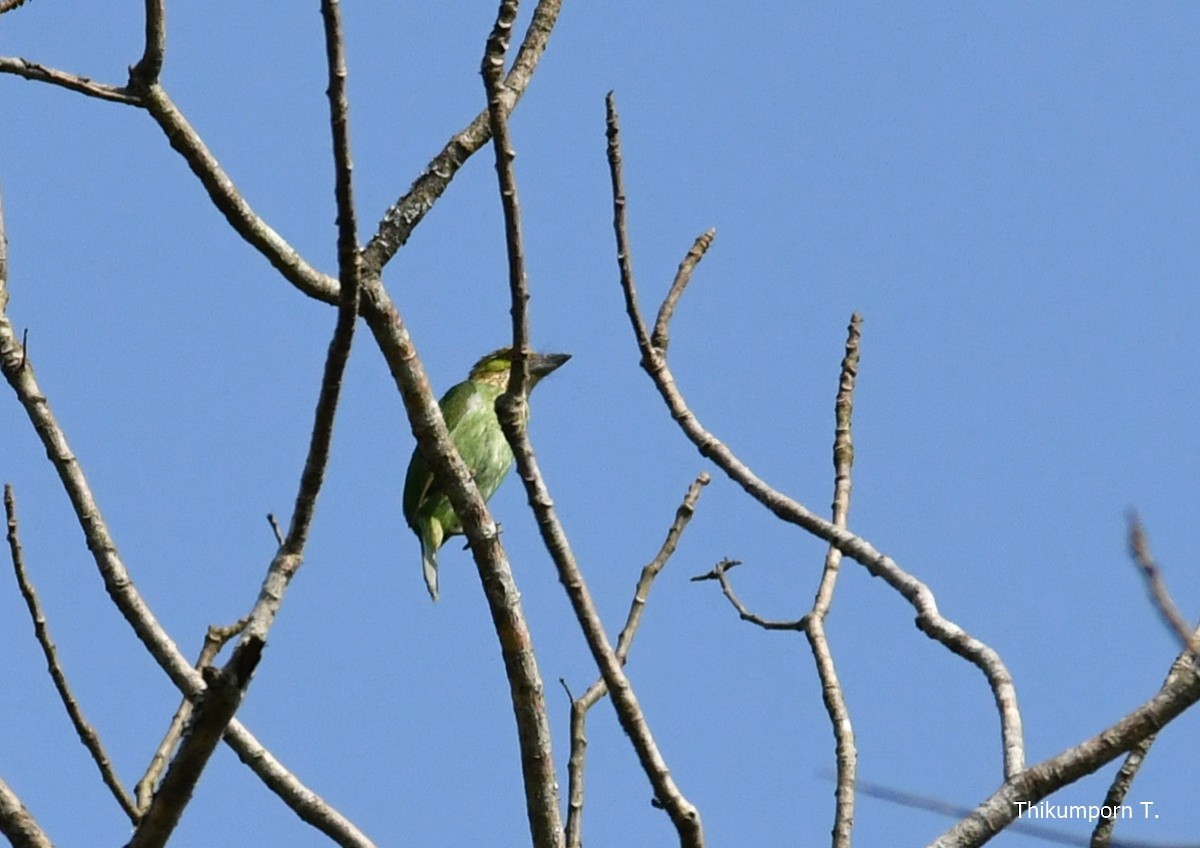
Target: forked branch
929,619
1139,549
581,706
1038,781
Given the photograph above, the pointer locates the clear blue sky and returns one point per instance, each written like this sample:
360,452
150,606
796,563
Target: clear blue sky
1009,194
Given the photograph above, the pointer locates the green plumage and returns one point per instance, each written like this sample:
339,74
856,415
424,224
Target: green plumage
470,412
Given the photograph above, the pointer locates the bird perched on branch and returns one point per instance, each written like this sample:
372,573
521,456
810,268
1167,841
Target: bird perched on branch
470,412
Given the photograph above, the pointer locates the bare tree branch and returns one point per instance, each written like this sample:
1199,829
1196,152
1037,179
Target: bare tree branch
229,201
227,687
719,573
831,687
1038,781
1102,833
641,593
392,336
87,734
492,70
18,371
17,824
579,708
660,337
512,411
148,68
403,216
350,280
683,814
83,85
483,537
929,619
1160,596
954,811
537,764
393,339
398,222
1123,780
222,696
813,624
214,639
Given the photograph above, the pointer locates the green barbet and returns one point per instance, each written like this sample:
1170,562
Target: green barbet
470,412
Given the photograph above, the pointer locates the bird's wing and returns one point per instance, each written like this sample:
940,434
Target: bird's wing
463,398
417,483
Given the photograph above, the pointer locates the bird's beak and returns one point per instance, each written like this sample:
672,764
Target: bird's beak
541,364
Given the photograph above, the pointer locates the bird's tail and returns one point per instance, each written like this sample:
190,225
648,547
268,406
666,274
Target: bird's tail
429,563
431,540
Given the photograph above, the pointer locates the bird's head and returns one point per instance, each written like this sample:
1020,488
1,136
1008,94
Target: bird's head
494,368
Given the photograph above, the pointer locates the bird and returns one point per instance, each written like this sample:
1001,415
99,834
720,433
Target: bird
469,409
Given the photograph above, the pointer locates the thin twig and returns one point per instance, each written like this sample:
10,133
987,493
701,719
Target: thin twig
149,67
580,707
616,172
275,528
573,836
349,285
403,216
1102,833
18,824
660,338
929,619
1160,596
843,462
641,594
510,409
831,687
73,82
718,573
290,555
492,70
87,734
